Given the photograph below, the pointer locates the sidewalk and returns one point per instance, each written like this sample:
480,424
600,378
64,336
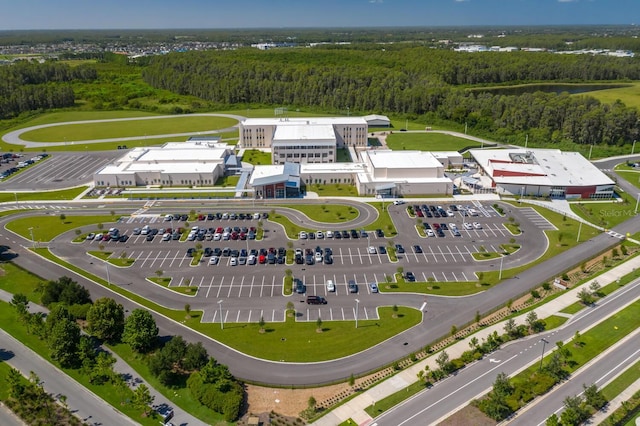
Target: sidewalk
132,378
615,403
354,409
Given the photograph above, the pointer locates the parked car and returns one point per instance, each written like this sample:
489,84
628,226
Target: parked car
353,287
408,276
299,286
373,287
331,287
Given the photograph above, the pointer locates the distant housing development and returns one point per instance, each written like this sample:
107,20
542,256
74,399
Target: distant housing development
541,172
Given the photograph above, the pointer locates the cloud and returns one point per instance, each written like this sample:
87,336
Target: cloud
376,1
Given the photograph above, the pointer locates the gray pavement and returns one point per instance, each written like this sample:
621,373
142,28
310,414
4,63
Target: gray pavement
8,418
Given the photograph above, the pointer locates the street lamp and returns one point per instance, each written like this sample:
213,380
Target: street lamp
500,275
544,342
637,201
33,240
357,305
221,320
106,265
633,147
580,229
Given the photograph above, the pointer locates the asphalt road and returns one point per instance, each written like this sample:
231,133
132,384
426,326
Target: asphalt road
434,405
86,405
618,360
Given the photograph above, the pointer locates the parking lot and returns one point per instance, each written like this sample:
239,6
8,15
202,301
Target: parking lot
251,291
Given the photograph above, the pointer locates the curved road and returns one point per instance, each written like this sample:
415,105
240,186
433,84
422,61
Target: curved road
15,139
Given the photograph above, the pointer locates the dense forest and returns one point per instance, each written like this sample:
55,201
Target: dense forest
29,86
413,82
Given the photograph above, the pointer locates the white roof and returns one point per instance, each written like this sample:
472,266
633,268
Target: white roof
374,117
545,167
300,133
263,171
328,168
298,121
387,159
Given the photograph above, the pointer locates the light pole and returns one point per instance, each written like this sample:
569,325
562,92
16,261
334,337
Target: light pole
544,342
33,240
637,201
633,147
221,319
106,265
590,150
357,305
500,275
15,194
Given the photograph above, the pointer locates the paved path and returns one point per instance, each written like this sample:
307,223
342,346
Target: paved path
8,418
616,403
354,408
15,139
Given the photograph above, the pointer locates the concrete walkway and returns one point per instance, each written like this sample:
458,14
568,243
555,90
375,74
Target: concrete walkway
615,403
354,409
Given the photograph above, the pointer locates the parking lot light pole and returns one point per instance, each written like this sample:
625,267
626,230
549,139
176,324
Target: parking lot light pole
221,319
637,201
500,275
106,265
357,306
33,241
544,342
580,229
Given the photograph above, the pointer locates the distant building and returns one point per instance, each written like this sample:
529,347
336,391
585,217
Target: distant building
375,120
303,140
194,163
542,172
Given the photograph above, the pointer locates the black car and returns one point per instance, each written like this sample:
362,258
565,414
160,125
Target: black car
399,248
309,259
345,234
217,252
354,233
410,277
150,237
337,235
299,260
265,215
379,233
328,260
382,250
444,226
299,286
191,252
353,287
425,225
417,249
210,216
207,252
123,238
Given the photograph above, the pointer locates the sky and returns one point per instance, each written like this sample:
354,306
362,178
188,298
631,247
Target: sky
211,14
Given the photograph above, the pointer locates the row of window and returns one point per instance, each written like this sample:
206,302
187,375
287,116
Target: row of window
304,155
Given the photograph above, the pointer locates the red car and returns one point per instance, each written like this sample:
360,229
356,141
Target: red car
262,259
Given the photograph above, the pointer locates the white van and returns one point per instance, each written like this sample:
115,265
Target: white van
329,234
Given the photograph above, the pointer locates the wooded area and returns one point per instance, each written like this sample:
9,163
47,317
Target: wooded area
414,82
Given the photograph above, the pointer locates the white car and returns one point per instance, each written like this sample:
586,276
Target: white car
166,236
450,213
256,216
372,250
319,235
453,226
468,226
217,236
477,225
329,234
302,235
398,202
91,236
233,261
251,260
213,260
430,233
331,287
318,257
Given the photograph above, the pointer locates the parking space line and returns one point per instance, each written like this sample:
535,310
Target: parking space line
330,314
445,277
184,256
433,254
233,277
273,285
145,260
262,286
273,315
209,289
220,287
226,314
442,253
342,310
154,260
366,315
425,277
434,276
238,316
464,275
350,256
454,276
461,254
175,256
253,278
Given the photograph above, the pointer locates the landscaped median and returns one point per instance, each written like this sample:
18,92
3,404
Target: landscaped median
46,228
165,282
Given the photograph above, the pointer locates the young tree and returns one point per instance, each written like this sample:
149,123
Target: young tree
532,319
63,217
21,304
311,403
478,318
142,398
261,323
63,339
510,328
187,310
352,380
473,343
140,330
443,361
195,357
586,297
594,287
319,324
594,397
106,320
454,330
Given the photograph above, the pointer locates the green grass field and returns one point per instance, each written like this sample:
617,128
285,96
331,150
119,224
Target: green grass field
132,128
428,141
630,95
64,194
327,213
606,214
45,228
333,189
256,157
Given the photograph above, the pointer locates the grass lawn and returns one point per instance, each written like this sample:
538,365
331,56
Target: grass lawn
166,281
622,382
45,228
130,128
256,157
513,228
629,95
633,177
510,248
187,194
394,399
606,214
428,141
573,308
461,288
65,194
14,279
333,189
225,181
486,255
327,213
122,262
554,321
343,156
383,221
110,393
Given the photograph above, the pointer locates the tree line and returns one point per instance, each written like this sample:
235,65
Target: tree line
176,363
30,86
420,83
